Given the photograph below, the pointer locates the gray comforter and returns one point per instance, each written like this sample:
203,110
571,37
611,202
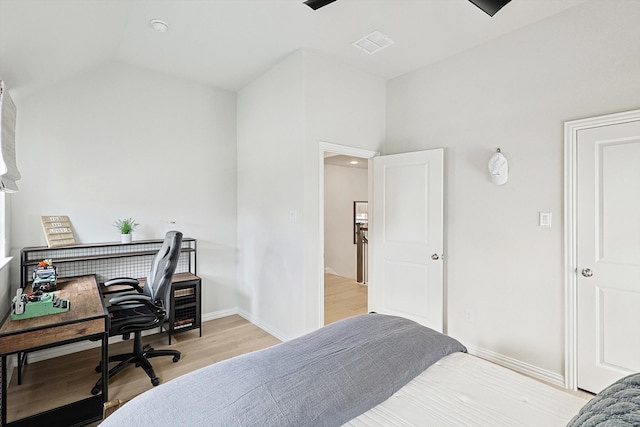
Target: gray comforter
324,378
618,405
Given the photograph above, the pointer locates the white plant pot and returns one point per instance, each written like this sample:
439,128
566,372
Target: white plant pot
125,238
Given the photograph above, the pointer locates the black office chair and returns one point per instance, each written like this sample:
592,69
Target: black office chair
145,309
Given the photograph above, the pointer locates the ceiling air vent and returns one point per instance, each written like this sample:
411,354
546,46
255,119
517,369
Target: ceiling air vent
373,42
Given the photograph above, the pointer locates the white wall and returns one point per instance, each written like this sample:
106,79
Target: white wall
270,189
515,93
344,106
282,117
342,186
119,141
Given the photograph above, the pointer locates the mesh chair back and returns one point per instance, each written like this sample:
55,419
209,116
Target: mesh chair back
158,285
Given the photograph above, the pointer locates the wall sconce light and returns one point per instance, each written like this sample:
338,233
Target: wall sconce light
499,168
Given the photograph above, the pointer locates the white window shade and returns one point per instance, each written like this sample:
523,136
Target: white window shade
9,173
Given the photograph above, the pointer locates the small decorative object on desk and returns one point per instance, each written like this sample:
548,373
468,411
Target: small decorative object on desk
36,304
126,227
57,230
44,276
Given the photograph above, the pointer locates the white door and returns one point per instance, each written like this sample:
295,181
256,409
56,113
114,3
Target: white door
608,253
406,231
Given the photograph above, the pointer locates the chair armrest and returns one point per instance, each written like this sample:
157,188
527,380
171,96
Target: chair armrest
129,298
122,281
127,281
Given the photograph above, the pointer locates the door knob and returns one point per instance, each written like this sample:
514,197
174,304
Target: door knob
586,272
435,257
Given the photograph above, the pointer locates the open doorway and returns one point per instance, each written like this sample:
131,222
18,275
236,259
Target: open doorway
415,180
345,219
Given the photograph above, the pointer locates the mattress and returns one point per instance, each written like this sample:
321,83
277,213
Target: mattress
464,390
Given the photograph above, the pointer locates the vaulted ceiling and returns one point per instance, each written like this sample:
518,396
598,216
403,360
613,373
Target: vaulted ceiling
227,43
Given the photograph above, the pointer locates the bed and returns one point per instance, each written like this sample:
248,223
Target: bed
369,370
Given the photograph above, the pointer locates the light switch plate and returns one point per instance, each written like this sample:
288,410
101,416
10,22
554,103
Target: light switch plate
544,219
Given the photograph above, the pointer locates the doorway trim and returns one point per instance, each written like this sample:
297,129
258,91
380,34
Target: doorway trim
328,147
571,129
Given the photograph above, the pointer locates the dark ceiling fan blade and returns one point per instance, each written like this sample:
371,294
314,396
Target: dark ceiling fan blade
317,4
490,7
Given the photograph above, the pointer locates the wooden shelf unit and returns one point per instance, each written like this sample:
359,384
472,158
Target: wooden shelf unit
110,260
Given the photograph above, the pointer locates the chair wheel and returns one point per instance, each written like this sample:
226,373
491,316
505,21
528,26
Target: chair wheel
155,381
95,390
176,358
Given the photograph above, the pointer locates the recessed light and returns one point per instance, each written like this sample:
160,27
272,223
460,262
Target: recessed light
159,26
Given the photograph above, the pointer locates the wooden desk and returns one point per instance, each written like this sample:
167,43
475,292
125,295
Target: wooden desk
87,318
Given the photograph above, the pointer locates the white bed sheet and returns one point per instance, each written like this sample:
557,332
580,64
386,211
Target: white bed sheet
464,390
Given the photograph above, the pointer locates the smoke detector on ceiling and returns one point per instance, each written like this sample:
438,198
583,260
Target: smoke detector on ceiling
373,42
159,26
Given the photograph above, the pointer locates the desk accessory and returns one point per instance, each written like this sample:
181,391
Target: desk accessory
36,304
126,227
18,302
57,230
44,276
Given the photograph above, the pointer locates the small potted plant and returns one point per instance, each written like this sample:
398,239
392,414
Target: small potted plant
126,227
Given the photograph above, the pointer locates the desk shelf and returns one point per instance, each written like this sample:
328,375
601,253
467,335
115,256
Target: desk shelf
105,260
110,260
104,256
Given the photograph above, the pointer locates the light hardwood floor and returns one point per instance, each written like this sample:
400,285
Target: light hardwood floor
53,382
343,298
64,379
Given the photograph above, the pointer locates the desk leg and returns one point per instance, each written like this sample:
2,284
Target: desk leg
4,390
22,360
105,368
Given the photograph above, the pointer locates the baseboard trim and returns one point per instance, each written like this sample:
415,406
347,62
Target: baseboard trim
219,314
518,366
273,332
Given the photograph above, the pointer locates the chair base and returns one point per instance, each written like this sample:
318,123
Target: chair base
139,357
